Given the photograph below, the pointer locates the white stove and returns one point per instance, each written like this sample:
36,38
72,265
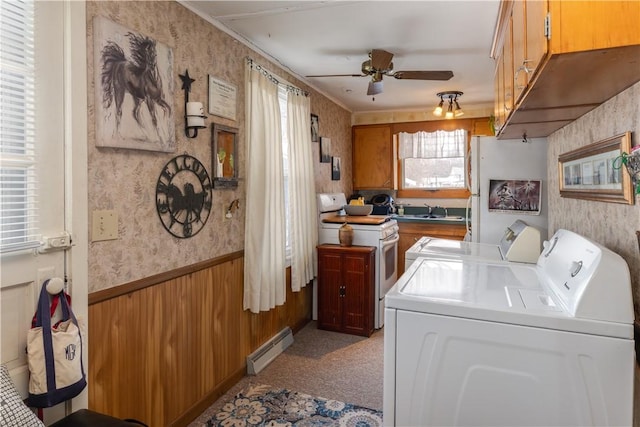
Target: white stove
370,230
485,343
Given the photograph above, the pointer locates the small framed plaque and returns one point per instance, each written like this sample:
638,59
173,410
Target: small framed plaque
222,98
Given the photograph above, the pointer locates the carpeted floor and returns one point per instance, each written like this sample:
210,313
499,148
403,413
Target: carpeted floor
322,364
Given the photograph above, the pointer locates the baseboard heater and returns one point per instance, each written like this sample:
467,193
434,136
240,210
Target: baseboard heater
268,351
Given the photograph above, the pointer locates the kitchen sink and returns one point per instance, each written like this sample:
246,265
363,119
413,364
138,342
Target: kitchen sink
445,218
434,217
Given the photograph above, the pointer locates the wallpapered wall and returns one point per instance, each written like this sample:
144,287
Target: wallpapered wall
611,224
125,180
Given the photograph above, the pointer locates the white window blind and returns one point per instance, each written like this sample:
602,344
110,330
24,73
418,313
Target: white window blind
18,180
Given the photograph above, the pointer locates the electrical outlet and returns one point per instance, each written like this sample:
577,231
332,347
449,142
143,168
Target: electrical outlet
104,226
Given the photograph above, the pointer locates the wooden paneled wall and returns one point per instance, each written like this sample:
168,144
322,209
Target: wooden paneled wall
162,349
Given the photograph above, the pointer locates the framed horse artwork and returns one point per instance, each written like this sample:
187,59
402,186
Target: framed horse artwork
134,89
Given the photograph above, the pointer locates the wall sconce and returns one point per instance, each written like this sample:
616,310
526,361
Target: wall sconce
453,109
234,206
194,111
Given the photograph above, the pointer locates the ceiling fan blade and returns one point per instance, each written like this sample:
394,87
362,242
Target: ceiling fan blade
374,87
339,75
423,75
381,59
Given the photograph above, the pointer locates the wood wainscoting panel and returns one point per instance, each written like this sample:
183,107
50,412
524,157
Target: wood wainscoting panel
164,352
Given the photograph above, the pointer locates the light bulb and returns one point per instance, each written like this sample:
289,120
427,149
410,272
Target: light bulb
449,114
438,110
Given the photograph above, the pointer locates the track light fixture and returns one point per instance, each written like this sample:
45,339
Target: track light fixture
453,109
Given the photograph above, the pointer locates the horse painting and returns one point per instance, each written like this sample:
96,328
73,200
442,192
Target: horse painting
135,105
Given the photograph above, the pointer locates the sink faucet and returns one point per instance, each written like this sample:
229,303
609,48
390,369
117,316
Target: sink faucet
429,209
446,213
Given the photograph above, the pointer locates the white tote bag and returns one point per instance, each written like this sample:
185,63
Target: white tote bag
54,354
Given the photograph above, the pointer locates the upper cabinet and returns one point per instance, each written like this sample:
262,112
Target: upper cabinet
529,43
556,60
372,157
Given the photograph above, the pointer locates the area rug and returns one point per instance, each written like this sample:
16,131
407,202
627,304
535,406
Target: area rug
261,405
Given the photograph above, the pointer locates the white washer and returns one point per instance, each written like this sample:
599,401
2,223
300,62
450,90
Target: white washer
482,343
520,243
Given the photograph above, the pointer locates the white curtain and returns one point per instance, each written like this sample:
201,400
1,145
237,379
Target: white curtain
432,145
264,242
302,192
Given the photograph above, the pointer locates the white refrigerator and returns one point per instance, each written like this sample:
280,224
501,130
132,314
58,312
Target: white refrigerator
506,166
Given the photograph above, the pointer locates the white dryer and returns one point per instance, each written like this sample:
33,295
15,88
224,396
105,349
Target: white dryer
482,343
520,243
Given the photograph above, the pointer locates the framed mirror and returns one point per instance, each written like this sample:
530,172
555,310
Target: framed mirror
224,156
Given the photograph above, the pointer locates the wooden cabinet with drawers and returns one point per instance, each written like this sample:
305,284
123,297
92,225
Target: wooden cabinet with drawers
346,277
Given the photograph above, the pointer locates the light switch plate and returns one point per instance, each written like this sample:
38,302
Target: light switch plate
104,226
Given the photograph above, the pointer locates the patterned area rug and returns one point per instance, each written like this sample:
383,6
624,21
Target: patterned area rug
263,406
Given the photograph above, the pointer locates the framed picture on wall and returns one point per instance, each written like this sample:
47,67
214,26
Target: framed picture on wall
335,168
515,196
222,98
315,128
134,108
596,172
325,150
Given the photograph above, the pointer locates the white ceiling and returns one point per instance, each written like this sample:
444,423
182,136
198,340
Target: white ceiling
335,37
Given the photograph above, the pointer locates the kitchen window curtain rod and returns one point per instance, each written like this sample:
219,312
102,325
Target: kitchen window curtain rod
275,79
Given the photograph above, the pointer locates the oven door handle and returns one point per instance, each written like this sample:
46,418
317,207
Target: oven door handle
389,242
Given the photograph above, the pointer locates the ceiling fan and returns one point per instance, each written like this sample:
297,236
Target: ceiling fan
379,64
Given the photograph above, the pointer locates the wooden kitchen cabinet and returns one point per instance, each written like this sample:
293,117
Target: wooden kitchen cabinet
568,58
411,232
481,127
528,44
346,277
372,157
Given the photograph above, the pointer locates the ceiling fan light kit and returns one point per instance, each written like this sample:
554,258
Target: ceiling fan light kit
453,109
379,64
375,87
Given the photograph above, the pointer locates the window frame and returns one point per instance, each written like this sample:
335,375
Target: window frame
432,126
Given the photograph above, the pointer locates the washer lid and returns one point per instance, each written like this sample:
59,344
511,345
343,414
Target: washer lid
489,291
447,248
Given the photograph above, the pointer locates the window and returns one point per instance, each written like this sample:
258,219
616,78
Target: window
433,161
282,99
18,187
